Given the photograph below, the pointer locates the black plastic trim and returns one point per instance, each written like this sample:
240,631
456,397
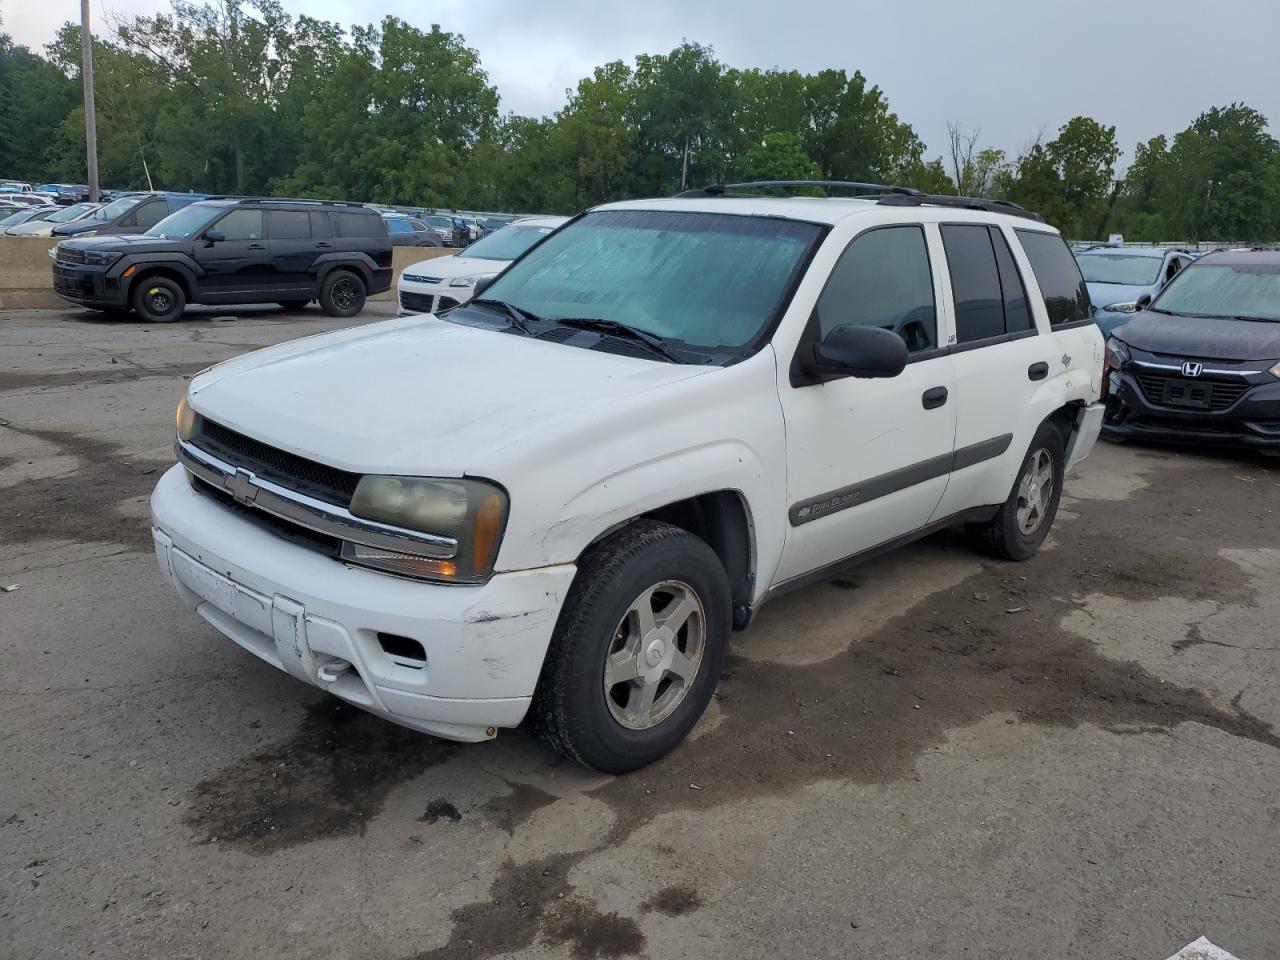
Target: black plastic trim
856,494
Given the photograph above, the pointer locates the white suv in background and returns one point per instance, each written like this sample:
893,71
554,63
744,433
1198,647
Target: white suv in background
444,282
561,498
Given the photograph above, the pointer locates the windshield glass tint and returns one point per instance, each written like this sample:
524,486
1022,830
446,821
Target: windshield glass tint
1117,268
507,243
73,212
708,279
22,216
1225,290
184,223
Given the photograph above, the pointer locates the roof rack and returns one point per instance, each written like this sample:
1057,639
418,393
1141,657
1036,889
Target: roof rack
890,195
324,203
1007,207
729,189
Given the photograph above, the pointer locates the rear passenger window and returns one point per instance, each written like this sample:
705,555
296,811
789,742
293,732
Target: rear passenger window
1065,296
361,225
975,282
883,279
1017,316
399,226
289,225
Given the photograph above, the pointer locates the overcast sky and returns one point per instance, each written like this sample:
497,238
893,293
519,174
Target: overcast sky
1011,66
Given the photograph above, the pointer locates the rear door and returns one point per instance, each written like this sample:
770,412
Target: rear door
1001,359
868,459
293,249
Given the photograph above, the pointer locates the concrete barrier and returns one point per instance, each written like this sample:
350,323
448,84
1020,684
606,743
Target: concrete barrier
26,272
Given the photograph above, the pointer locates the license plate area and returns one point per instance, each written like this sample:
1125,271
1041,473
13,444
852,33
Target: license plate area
1194,395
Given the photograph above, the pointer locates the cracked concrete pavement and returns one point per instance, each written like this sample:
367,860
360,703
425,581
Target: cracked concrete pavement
932,755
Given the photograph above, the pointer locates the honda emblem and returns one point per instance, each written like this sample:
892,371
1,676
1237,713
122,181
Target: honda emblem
1191,368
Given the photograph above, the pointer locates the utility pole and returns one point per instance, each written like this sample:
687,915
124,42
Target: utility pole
90,118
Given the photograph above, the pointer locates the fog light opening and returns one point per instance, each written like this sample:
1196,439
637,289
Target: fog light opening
403,648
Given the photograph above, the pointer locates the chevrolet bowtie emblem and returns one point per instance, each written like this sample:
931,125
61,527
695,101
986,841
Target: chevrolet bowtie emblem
242,486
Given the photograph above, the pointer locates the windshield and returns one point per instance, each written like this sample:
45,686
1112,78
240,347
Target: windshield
507,243
705,279
73,212
114,209
1225,290
22,216
1118,268
439,221
187,221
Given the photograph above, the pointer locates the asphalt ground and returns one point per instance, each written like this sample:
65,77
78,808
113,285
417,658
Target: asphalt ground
935,755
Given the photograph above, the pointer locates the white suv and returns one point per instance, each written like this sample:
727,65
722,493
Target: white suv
562,497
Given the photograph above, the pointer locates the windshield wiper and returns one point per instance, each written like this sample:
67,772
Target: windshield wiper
624,330
519,318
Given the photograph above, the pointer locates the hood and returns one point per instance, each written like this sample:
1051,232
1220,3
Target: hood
422,396
456,265
1202,338
78,226
1105,294
136,243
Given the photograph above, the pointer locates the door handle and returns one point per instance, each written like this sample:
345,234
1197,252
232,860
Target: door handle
325,245
934,397
257,246
1038,371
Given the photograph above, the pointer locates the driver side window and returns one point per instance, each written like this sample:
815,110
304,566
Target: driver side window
883,279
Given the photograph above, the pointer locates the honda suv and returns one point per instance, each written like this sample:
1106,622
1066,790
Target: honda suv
561,497
228,250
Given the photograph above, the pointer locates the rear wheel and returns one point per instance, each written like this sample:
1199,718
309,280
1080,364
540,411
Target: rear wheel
158,299
342,294
1024,519
638,649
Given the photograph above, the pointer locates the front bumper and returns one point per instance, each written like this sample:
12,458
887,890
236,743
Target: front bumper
88,285
1251,419
430,297
319,620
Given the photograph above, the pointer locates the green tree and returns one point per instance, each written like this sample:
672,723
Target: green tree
852,134
34,97
778,156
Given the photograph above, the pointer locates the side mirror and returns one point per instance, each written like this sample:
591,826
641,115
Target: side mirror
483,284
855,351
1144,301
214,236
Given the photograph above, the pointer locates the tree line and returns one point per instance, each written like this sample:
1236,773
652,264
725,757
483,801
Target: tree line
238,96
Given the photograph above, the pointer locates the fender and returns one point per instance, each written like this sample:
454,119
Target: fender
186,268
611,501
376,278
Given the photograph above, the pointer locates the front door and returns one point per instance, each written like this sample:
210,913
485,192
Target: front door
236,268
867,459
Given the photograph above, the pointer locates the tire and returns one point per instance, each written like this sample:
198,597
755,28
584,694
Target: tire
293,304
342,294
664,682
1022,523
158,299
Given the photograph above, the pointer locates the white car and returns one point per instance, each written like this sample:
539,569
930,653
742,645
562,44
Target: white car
444,282
562,498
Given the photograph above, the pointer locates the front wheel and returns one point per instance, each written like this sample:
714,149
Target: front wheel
159,300
638,649
1024,519
342,294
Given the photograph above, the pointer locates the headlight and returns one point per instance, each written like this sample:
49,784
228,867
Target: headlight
471,512
1117,353
186,419
102,258
466,281
1126,306
53,251
1275,371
